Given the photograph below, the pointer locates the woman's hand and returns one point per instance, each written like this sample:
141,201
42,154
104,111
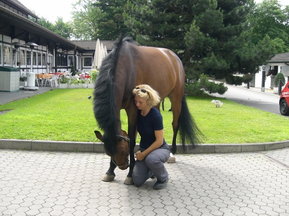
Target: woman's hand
139,155
155,145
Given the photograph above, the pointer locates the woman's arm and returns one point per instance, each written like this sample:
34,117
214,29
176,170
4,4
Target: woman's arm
159,134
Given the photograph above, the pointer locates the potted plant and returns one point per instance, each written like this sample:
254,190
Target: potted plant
279,81
63,82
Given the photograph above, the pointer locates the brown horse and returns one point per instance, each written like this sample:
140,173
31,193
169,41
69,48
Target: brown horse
126,66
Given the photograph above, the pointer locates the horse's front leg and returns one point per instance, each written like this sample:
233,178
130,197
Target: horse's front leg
131,112
128,180
110,175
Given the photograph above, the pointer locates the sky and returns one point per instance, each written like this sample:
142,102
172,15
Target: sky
52,9
281,2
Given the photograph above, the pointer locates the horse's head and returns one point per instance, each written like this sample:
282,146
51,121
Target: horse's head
120,158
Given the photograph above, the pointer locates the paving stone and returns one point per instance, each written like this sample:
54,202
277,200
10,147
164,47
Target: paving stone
55,183
20,214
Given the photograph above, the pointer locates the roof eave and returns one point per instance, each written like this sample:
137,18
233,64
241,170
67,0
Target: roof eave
29,25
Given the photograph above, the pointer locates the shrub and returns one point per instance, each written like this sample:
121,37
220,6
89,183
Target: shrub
193,89
93,74
234,80
63,79
203,85
279,81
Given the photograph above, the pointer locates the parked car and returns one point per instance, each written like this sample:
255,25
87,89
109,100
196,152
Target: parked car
284,100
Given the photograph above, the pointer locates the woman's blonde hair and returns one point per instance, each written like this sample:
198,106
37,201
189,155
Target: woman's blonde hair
148,93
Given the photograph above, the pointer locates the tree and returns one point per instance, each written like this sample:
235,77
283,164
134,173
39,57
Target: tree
214,39
101,19
111,23
160,23
204,33
219,38
264,37
268,18
85,20
60,27
63,28
45,23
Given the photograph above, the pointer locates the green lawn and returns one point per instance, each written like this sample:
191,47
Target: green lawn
66,114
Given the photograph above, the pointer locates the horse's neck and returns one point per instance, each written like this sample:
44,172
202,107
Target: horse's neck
125,82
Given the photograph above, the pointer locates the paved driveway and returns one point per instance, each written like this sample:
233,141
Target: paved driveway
50,183
266,101
6,97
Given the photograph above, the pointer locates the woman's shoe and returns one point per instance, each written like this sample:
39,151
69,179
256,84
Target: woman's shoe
160,185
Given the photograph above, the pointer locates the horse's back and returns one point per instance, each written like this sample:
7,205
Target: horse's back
159,67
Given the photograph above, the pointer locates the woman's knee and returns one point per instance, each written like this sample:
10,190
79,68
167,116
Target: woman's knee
156,157
139,174
138,180
152,160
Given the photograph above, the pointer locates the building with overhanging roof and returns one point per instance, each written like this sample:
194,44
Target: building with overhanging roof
26,45
264,79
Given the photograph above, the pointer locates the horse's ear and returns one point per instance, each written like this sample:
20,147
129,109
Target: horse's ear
98,135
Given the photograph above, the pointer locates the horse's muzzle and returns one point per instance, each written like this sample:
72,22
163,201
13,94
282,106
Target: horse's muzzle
123,167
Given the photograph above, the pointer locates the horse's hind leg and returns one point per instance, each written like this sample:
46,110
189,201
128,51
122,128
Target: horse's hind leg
176,108
110,175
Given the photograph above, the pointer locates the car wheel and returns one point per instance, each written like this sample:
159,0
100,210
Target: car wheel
283,106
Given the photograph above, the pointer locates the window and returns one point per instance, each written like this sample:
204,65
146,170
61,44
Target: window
64,60
15,57
7,55
61,60
39,58
28,57
87,61
43,59
0,54
50,60
34,58
22,57
70,60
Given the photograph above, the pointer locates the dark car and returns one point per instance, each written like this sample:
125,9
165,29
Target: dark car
284,100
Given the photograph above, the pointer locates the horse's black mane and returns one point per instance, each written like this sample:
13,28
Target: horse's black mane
104,103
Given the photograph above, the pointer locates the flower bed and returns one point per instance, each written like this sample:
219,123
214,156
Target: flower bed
82,80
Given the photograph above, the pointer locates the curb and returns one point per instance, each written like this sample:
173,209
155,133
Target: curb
70,146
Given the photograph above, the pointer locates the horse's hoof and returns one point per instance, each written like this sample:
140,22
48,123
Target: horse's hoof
128,181
172,159
108,178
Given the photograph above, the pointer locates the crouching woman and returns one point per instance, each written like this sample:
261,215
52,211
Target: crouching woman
154,151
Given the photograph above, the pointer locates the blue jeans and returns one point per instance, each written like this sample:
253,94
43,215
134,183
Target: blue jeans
153,164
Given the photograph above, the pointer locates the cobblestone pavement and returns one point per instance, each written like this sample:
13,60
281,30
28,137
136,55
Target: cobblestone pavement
54,183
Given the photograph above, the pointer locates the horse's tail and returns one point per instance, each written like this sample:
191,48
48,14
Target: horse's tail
189,131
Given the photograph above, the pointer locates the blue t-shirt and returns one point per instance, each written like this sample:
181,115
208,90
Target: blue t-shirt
147,125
